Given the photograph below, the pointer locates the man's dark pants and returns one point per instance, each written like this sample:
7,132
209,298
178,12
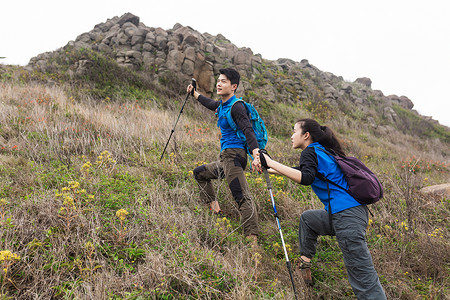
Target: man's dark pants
231,166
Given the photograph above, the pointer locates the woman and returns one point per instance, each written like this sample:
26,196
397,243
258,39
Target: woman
343,217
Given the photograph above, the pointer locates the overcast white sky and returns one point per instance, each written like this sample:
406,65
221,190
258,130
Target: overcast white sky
403,46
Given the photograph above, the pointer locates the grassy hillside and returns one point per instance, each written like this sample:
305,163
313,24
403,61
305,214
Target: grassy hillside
87,210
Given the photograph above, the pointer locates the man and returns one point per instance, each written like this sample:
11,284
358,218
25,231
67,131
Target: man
233,155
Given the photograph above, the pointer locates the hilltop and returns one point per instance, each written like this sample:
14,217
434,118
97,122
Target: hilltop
182,52
87,210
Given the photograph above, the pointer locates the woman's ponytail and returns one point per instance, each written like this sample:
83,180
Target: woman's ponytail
321,134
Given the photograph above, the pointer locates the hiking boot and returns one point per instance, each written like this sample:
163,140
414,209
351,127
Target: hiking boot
215,208
219,213
303,269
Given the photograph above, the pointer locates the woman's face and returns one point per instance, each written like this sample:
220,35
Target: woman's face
298,138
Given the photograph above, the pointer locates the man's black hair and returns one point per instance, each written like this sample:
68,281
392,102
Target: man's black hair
232,75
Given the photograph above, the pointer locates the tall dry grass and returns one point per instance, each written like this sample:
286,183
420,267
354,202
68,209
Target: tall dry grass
169,246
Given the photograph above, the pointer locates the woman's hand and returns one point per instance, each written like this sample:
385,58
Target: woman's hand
275,167
265,159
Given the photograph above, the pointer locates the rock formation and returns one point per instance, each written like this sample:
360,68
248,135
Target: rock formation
185,53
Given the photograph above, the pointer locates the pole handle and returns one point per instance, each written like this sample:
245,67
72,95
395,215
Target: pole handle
194,84
266,175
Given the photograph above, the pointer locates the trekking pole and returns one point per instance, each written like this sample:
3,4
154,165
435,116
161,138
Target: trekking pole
194,84
269,187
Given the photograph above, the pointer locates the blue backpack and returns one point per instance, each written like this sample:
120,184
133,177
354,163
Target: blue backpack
257,123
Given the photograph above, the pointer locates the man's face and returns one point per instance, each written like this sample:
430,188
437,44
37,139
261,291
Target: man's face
224,86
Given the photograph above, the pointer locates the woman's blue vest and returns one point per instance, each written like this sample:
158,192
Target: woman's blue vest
338,198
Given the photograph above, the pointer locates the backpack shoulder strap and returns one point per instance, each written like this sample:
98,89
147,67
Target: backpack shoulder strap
330,152
321,176
228,113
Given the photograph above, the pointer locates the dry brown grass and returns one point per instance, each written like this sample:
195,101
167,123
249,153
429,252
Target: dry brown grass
169,246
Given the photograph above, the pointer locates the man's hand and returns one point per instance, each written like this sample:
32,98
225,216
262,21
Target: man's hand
189,90
256,163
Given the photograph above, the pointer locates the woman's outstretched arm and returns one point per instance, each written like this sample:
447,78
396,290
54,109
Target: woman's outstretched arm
284,170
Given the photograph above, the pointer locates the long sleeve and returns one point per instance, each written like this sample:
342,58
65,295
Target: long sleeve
208,102
308,166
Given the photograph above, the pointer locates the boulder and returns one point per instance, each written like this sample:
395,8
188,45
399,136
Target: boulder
150,38
378,93
346,88
204,74
148,58
137,39
406,102
304,63
188,67
175,59
242,57
128,17
403,101
364,81
389,114
190,53
330,92
442,189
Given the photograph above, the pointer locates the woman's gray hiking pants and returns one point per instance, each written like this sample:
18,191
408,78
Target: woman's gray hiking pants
349,227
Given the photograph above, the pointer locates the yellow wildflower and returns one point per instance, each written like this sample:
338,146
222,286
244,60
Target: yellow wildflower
74,185
89,246
68,201
121,214
8,255
404,225
257,258
276,246
288,248
86,167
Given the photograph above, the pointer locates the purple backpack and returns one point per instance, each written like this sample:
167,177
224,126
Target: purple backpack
363,184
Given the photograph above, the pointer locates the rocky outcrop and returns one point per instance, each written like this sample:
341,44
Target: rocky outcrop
181,50
185,53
